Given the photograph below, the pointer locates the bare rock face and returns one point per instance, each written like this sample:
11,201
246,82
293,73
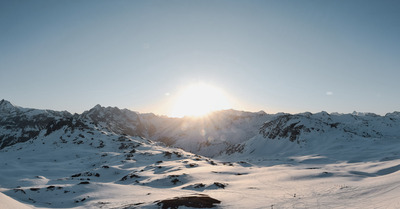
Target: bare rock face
119,121
283,127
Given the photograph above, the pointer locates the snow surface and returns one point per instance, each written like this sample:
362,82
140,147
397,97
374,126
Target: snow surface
274,161
8,202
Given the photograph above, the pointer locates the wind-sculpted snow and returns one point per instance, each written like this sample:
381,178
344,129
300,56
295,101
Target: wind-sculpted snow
68,166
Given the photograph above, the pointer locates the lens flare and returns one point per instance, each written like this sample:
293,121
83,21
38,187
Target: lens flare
199,100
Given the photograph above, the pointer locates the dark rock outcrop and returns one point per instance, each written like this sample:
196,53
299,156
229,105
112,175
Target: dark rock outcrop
194,201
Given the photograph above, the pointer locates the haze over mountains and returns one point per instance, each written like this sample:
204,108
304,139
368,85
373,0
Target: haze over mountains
116,158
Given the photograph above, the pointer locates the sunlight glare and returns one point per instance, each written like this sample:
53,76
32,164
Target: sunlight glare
200,99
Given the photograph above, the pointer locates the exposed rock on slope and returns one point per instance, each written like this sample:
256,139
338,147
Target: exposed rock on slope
106,158
116,120
323,134
221,132
369,125
22,124
206,136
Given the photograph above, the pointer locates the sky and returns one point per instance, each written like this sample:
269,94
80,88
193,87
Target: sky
277,56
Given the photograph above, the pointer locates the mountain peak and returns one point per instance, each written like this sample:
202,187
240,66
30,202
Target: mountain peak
99,112
97,107
5,102
6,106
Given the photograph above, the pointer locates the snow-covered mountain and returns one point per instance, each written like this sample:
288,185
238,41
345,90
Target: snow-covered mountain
221,132
112,158
97,159
325,134
207,136
19,124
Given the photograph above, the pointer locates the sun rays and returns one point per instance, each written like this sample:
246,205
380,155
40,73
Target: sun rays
199,100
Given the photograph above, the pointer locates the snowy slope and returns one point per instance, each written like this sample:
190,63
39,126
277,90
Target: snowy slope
93,168
19,124
8,202
347,137
106,173
112,158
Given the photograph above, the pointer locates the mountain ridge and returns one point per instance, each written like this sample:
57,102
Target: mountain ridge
209,136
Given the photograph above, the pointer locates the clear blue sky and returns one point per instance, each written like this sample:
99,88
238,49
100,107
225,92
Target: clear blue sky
290,56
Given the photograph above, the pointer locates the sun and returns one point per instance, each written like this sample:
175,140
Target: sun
200,99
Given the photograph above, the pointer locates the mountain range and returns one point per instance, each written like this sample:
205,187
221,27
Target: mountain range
108,157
